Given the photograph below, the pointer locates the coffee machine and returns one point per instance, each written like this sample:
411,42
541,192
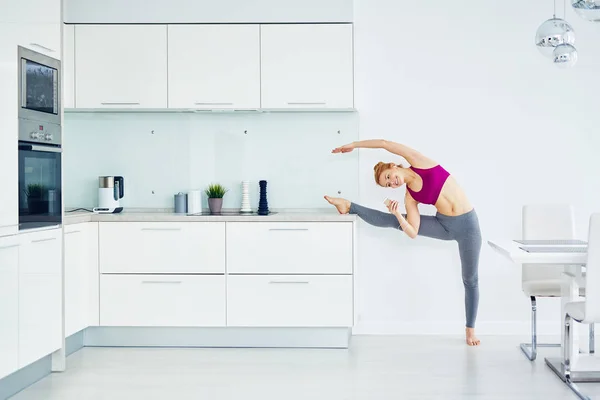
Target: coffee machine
110,192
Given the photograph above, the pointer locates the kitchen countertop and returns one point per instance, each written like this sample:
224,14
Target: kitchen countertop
165,215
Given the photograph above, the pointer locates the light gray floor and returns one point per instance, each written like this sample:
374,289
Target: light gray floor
398,367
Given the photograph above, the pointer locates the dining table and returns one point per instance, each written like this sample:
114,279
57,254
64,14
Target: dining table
572,255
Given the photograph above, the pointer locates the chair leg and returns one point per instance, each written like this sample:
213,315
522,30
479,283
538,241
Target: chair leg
592,340
567,360
530,349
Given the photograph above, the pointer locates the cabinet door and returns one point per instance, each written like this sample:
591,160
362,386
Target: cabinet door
289,247
307,66
214,66
162,247
40,295
30,11
9,195
121,66
76,282
162,300
289,301
9,305
68,65
42,38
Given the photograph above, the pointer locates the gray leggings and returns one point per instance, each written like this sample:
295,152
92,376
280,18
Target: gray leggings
463,228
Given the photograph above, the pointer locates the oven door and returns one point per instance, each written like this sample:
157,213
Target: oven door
40,203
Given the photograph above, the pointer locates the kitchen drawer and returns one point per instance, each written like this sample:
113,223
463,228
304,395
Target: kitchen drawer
289,247
162,247
162,300
289,301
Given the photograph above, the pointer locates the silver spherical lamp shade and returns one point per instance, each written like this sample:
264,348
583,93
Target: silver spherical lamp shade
565,56
587,9
553,33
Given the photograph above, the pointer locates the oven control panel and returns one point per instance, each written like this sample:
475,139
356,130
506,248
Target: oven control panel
39,132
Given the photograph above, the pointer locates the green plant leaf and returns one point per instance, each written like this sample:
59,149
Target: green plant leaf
215,191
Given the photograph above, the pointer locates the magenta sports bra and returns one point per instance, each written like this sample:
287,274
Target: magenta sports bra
433,181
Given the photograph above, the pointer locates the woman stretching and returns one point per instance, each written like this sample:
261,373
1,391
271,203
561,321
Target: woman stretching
428,183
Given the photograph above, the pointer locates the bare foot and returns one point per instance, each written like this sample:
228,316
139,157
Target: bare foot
342,205
471,338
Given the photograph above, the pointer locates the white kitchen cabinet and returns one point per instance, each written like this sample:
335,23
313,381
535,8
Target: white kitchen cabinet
121,66
30,11
162,247
162,300
68,65
9,304
9,195
289,301
214,66
42,38
40,295
289,247
81,277
307,66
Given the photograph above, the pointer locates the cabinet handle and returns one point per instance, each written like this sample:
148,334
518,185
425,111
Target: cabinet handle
161,229
113,103
307,103
289,282
162,282
42,240
288,229
10,246
213,104
42,47
68,233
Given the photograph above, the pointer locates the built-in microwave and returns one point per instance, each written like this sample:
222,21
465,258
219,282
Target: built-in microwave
40,141
39,87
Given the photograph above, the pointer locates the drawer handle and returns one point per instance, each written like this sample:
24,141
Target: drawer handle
10,246
116,103
307,103
213,104
163,282
42,240
39,46
289,282
161,229
69,233
288,229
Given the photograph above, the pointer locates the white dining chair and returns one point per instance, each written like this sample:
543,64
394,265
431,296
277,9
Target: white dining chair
587,311
545,222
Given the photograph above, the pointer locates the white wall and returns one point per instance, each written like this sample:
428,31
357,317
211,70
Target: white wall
205,11
464,83
188,151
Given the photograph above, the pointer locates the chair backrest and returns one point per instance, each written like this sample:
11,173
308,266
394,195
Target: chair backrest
592,279
545,222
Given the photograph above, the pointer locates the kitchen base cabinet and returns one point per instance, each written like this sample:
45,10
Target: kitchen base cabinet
289,301
162,300
9,305
40,295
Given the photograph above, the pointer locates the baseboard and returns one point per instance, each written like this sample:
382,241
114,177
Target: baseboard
217,337
25,377
74,343
513,328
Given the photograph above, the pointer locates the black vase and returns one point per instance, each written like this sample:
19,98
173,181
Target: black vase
263,205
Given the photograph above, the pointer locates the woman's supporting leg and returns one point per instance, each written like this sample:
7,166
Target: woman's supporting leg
469,248
429,227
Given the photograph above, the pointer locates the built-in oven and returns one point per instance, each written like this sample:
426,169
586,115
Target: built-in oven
40,144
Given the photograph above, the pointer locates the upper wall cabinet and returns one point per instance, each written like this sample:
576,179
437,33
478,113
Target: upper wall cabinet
68,65
30,11
121,66
214,66
307,66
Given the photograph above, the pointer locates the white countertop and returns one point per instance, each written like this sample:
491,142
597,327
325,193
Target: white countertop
153,215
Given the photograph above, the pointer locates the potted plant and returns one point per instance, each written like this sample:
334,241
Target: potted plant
35,198
215,193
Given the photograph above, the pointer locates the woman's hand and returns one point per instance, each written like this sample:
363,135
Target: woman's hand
394,208
344,149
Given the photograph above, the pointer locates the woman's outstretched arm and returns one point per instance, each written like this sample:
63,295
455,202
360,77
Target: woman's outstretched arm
414,157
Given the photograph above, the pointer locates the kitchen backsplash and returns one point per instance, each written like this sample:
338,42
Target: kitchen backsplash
161,154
